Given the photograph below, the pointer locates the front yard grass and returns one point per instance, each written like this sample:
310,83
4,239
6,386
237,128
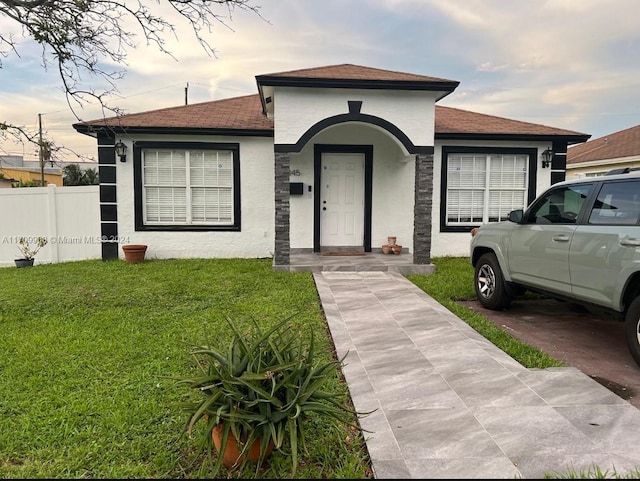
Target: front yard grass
85,348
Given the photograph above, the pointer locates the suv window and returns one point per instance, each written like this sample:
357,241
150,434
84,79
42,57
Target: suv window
559,206
587,251
617,203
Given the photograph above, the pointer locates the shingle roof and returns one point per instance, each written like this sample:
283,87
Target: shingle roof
245,113
238,113
624,143
348,71
349,76
450,120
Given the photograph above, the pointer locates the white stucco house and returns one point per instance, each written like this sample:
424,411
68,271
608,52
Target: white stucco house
334,157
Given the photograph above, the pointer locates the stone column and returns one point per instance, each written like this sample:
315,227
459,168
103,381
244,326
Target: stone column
422,209
283,210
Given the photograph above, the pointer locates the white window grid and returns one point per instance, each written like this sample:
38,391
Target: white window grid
187,187
484,188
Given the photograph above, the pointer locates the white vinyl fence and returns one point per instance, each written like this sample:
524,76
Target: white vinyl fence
68,217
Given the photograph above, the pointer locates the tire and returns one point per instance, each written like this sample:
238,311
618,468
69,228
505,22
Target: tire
489,283
632,329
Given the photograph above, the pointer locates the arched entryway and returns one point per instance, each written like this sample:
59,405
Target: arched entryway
351,175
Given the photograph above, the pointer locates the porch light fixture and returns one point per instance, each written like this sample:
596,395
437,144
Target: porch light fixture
547,155
121,151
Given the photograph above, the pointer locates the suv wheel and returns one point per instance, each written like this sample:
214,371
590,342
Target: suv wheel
632,329
489,283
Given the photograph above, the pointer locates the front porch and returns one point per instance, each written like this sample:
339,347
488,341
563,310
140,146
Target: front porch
370,261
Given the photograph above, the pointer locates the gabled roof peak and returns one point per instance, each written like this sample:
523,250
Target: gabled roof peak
349,76
347,71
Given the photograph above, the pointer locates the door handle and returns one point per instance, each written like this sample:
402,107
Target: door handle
561,238
630,242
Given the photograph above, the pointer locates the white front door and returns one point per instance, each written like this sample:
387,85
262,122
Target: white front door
342,200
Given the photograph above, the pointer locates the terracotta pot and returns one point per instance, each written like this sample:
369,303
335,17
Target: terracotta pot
134,253
232,454
397,249
386,249
391,240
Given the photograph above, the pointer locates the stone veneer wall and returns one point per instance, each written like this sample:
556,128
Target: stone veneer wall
422,209
283,210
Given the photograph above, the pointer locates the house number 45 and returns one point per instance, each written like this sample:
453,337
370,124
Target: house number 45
295,172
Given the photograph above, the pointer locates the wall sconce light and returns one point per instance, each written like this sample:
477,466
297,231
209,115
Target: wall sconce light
547,155
121,151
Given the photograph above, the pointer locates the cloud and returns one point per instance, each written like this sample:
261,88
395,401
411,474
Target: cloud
490,67
559,62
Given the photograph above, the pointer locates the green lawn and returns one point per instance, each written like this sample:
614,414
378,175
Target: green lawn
86,349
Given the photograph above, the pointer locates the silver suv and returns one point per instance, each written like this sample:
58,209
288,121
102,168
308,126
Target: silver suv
578,241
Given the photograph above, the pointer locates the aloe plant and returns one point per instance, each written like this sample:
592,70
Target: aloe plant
262,386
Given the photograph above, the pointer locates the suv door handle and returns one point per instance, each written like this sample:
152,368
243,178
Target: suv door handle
561,238
630,241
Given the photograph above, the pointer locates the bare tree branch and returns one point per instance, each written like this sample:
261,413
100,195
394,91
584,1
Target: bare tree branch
82,37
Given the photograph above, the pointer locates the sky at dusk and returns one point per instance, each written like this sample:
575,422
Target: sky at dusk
565,63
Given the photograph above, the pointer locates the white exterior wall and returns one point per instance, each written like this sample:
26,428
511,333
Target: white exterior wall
456,244
298,109
392,190
256,237
68,217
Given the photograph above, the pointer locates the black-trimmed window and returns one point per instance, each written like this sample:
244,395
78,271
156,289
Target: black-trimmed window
481,185
187,186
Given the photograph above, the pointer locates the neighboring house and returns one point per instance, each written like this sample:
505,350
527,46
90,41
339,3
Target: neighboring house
27,175
336,157
11,161
618,150
15,167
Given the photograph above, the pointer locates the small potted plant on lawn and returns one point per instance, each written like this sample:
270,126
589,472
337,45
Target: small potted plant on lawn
29,252
134,253
256,393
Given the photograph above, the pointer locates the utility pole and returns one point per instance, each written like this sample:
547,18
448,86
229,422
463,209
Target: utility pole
40,150
186,90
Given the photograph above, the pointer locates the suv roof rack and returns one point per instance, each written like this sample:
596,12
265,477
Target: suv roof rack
624,170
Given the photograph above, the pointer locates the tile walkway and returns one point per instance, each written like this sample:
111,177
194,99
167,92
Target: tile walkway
449,404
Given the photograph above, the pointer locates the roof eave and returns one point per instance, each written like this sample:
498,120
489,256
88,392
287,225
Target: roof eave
93,130
569,138
446,86
263,101
85,129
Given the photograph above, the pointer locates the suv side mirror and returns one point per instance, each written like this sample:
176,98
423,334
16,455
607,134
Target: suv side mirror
516,216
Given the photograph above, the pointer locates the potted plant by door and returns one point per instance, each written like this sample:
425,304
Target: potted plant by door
254,394
28,252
